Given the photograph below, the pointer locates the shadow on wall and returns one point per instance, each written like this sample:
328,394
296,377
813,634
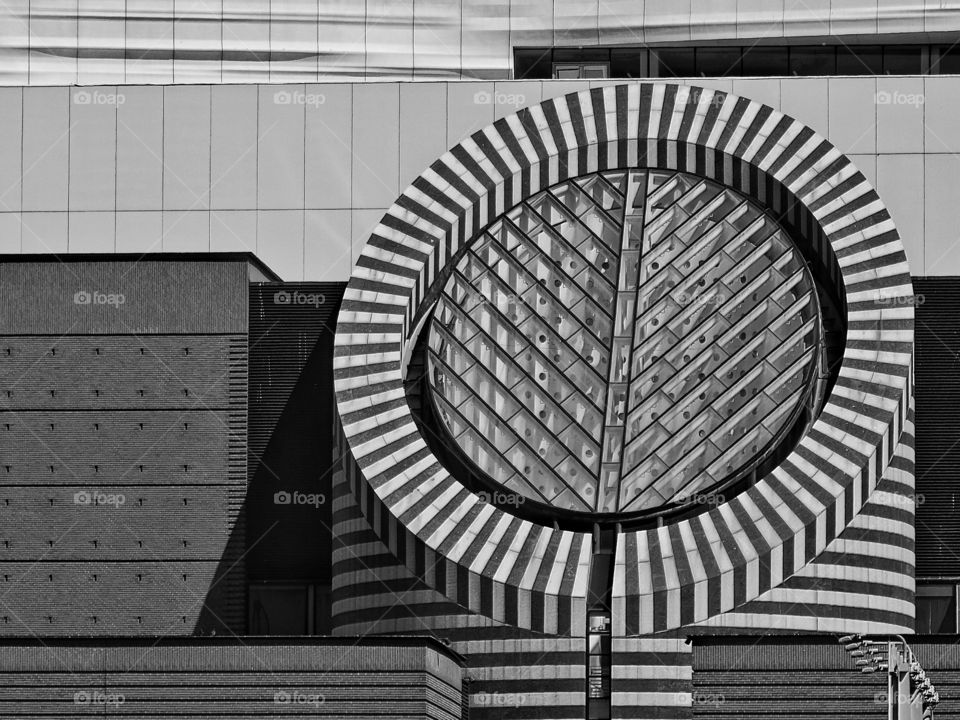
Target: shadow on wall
277,563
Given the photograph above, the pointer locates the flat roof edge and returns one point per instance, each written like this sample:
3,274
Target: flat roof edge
233,256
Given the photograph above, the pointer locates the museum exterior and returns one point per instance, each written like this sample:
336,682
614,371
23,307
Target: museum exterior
552,378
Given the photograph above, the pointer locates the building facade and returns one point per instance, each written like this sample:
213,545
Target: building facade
578,337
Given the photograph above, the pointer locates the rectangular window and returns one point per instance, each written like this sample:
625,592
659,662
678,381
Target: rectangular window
580,71
629,63
901,60
860,60
936,609
719,61
813,60
765,62
674,62
533,64
279,610
734,61
948,62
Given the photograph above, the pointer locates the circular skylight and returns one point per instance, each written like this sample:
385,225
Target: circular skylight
624,341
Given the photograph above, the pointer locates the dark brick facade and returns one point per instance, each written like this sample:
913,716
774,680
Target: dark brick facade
123,395
348,678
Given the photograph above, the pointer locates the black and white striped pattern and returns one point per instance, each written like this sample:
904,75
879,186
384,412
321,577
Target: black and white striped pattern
670,576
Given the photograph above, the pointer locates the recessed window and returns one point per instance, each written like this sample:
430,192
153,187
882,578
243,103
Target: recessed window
580,71
813,60
765,61
289,609
278,610
860,60
936,609
675,62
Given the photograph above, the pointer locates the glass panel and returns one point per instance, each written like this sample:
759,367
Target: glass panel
813,60
674,62
278,610
948,62
596,366
718,61
765,61
936,609
532,64
901,60
627,62
860,60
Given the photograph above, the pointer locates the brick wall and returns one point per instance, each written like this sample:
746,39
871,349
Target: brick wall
253,678
122,445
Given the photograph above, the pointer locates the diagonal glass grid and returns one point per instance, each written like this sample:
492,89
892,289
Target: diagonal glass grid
624,340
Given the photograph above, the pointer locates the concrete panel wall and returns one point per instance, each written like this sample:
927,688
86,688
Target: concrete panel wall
300,174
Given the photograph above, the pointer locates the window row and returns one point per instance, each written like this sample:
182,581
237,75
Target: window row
735,61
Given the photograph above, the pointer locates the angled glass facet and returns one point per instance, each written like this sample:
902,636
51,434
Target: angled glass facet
623,341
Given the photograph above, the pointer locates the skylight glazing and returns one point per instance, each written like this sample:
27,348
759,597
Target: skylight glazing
624,341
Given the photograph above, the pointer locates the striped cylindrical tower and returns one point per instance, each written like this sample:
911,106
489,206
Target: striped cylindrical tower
625,366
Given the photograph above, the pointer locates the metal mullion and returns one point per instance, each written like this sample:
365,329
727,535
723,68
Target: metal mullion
595,204
728,452
575,249
658,194
612,187
453,307
529,243
470,425
745,261
493,448
699,213
727,334
719,400
516,263
793,337
700,241
703,270
654,449
524,374
631,290
780,379
475,360
521,440
549,331
793,309
725,395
